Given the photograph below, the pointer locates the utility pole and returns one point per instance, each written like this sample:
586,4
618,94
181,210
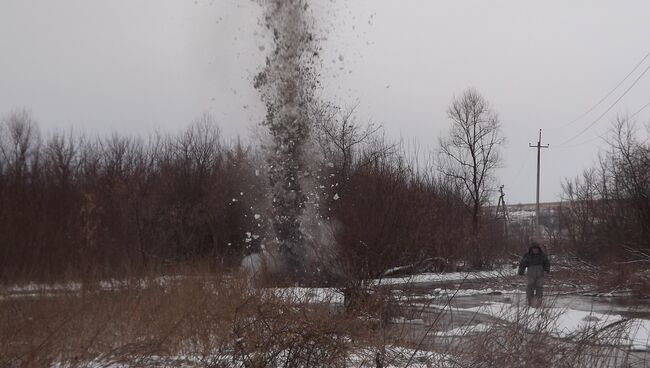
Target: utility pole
539,147
502,211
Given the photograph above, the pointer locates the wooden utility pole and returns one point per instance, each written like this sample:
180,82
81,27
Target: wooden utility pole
502,211
539,147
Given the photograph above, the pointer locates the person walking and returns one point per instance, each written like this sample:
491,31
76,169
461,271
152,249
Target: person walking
537,263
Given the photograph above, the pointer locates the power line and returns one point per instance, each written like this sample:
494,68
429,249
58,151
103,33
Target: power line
609,93
641,109
519,171
582,143
601,136
608,109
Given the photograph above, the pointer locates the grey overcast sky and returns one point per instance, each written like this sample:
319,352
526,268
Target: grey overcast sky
135,66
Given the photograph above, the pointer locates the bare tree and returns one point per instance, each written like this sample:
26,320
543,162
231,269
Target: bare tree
19,143
61,158
608,208
348,143
470,153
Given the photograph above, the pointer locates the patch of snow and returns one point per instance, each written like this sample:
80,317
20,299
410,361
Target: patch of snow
447,277
465,330
397,356
404,321
565,323
637,334
560,322
521,215
473,292
301,295
35,288
394,357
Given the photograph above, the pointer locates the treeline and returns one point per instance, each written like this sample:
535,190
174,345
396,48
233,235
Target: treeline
76,207
607,210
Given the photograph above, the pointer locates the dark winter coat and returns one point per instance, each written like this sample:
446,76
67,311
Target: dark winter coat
529,259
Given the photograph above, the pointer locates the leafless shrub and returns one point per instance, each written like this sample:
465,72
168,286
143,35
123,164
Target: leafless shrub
529,341
607,208
197,319
393,214
91,208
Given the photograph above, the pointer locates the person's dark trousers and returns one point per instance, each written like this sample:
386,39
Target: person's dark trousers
535,288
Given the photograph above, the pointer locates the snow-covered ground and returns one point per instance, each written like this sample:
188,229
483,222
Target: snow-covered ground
562,320
559,322
447,277
465,330
521,215
309,295
458,293
34,290
397,357
110,284
392,356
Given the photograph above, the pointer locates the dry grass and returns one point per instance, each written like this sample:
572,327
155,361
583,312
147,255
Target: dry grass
206,320
510,345
203,320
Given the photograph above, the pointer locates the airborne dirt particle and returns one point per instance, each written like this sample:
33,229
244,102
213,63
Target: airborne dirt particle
287,84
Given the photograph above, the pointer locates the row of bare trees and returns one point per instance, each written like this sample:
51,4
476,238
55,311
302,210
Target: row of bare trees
72,206
396,210
607,210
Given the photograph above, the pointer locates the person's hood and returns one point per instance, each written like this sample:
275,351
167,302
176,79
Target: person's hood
530,250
